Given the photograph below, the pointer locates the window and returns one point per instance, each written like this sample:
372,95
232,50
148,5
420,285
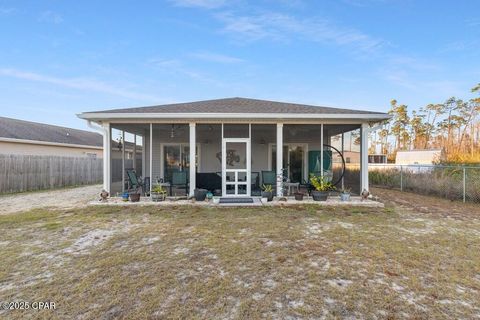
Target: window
176,157
293,161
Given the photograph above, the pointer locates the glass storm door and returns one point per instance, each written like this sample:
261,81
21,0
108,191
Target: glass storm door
236,167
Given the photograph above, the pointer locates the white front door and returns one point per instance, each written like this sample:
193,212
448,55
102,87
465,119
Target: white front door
236,163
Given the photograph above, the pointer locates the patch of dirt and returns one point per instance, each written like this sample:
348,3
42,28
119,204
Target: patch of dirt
90,239
62,199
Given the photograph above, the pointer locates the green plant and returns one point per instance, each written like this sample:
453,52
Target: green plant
267,188
345,190
159,189
320,183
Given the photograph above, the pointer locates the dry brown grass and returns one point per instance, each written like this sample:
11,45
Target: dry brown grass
205,263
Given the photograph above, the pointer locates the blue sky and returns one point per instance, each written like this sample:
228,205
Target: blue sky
59,58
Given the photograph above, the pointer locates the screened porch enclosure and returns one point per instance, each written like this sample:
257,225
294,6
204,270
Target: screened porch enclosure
235,159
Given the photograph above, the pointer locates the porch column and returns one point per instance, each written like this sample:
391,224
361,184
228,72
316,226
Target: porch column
150,173
124,146
364,157
192,158
106,156
343,151
279,159
321,150
134,165
144,163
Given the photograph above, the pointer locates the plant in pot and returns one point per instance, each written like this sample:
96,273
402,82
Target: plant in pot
158,193
345,194
299,196
135,196
322,188
267,192
125,196
200,194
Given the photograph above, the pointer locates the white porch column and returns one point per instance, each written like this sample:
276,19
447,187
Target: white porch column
150,173
279,158
192,158
343,151
124,146
144,163
364,157
106,156
134,152
321,150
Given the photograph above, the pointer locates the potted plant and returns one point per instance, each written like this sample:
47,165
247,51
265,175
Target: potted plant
135,196
267,192
299,196
200,194
209,196
322,188
158,193
125,196
345,194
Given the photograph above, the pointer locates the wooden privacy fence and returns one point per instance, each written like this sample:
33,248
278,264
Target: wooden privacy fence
25,172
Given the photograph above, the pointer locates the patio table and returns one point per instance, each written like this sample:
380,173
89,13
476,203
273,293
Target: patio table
291,185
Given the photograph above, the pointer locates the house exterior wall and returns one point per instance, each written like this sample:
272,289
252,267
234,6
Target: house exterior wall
48,150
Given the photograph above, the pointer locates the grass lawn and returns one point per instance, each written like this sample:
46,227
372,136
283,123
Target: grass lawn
206,263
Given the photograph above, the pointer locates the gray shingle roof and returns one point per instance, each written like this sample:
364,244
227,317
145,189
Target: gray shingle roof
238,105
26,130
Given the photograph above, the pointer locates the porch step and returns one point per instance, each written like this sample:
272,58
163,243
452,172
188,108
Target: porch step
235,200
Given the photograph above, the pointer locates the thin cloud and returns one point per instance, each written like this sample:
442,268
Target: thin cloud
77,83
50,17
6,11
281,27
207,4
215,57
176,67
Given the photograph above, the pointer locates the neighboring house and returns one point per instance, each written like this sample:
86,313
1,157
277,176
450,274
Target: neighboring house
32,138
351,156
232,142
431,156
377,158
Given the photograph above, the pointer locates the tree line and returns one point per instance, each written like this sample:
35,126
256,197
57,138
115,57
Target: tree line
453,125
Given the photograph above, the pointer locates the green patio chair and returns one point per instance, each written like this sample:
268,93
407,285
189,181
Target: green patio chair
179,179
133,180
269,178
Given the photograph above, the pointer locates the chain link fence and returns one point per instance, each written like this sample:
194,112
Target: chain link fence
450,182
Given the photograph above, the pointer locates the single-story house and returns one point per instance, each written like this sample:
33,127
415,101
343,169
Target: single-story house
229,146
420,156
32,138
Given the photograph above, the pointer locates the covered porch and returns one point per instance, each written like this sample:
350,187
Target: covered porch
234,158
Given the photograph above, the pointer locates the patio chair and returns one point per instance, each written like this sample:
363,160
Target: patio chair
179,179
269,178
133,181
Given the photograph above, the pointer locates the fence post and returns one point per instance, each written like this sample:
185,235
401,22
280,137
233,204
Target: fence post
464,184
401,178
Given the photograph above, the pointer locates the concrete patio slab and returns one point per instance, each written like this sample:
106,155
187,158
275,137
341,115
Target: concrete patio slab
331,202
